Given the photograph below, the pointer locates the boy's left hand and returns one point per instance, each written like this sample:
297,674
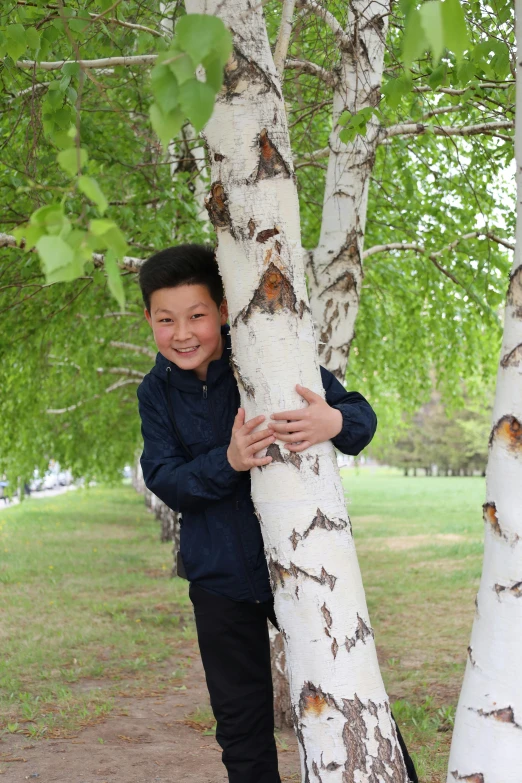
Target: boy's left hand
314,424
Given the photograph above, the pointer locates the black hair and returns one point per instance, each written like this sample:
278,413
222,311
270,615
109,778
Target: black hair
189,264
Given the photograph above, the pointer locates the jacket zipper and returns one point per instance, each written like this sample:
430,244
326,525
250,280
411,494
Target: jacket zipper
241,546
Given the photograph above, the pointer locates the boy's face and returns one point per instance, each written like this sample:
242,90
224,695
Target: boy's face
186,323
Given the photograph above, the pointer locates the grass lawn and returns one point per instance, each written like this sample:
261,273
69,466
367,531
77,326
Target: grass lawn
86,598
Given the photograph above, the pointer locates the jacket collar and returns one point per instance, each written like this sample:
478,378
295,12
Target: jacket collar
187,380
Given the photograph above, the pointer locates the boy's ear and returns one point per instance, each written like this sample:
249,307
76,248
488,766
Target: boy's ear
223,311
147,316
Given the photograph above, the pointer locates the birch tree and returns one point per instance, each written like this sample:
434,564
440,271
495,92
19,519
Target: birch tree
486,745
341,713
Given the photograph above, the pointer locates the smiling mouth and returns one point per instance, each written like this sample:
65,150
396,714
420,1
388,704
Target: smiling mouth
187,351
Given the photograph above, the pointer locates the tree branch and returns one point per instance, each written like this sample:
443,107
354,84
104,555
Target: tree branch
129,263
433,257
305,66
130,347
113,387
310,6
461,91
127,371
418,128
283,39
104,62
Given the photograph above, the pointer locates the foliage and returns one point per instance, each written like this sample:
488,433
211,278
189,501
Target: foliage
457,442
426,188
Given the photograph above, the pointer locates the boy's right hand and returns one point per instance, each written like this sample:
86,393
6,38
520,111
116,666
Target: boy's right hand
245,443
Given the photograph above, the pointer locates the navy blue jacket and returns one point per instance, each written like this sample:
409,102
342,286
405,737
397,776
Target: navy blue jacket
221,543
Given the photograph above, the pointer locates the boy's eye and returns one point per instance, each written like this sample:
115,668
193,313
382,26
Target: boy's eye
197,315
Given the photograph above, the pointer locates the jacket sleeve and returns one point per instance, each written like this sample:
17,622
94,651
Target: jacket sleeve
179,483
359,419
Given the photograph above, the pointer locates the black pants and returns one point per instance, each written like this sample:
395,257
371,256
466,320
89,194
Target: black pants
235,650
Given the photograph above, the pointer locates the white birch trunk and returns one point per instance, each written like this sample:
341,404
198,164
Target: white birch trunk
341,711
335,267
487,739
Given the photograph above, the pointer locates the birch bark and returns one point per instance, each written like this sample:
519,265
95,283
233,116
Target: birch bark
487,739
335,266
341,712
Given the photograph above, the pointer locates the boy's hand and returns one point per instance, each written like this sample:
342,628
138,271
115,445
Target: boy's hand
314,424
245,443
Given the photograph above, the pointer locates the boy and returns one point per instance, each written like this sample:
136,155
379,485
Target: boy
198,451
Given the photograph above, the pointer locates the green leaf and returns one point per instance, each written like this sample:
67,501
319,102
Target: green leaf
72,160
30,233
200,34
438,76
165,88
71,69
114,278
180,64
167,126
414,42
16,40
456,37
92,190
109,235
77,25
33,38
100,227
213,71
52,217
197,101
431,21
65,274
54,252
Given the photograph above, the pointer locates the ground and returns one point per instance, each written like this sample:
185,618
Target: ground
101,678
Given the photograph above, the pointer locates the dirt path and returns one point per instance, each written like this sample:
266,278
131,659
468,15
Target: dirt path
149,744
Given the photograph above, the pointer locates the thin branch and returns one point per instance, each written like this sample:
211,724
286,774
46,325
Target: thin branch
104,62
418,128
129,263
305,66
310,6
433,257
283,39
113,387
127,371
130,346
461,91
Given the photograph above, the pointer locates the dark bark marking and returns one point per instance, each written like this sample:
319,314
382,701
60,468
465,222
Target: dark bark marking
216,205
504,715
277,245
315,466
328,356
240,68
265,235
319,521
475,777
251,228
508,431
470,656
515,589
513,358
514,294
300,739
334,648
362,632
274,292
303,308
327,615
218,157
372,708
295,538
271,163
241,380
315,770
294,460
354,735
278,573
275,452
490,516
